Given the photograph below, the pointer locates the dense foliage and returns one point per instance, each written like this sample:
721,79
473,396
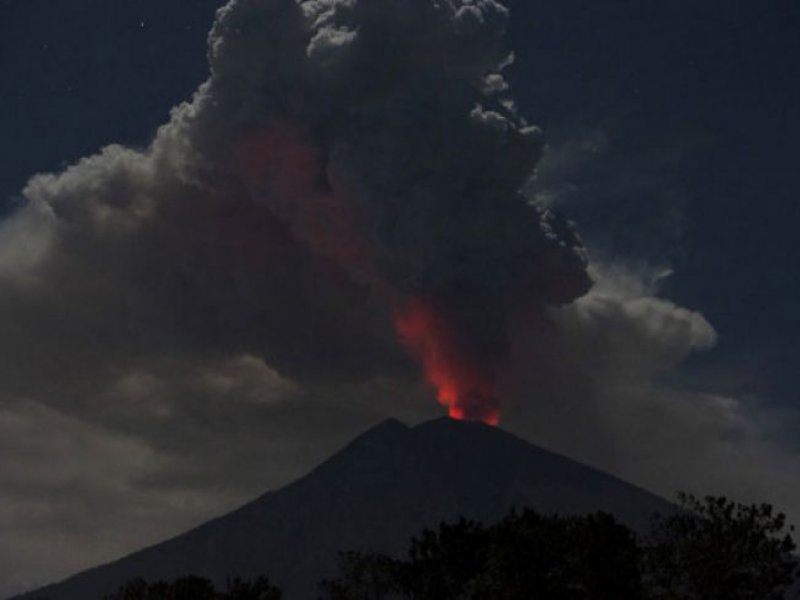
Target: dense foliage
714,549
196,588
709,549
524,556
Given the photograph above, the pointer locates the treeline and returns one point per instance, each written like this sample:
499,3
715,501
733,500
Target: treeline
709,549
197,588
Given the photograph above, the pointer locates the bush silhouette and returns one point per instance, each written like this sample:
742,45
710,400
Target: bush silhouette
524,556
712,549
709,549
197,588
715,549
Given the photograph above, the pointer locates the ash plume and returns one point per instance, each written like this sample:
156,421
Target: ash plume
344,190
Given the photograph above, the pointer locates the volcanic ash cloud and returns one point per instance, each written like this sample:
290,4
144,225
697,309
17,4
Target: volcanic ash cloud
342,194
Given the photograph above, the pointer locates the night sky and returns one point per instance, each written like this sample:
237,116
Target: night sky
670,132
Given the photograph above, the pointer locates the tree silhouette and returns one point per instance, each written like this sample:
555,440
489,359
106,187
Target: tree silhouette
712,549
364,576
715,549
197,588
444,563
259,589
534,556
524,556
186,588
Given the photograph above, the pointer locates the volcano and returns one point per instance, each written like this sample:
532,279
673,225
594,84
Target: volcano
375,493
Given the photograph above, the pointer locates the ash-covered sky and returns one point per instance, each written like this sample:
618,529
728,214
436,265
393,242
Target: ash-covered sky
184,325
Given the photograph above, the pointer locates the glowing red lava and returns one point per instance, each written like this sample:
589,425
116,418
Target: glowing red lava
463,381
285,173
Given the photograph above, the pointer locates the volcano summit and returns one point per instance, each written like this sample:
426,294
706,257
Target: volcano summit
375,493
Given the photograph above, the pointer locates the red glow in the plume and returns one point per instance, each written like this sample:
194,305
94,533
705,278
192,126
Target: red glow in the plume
463,383
284,170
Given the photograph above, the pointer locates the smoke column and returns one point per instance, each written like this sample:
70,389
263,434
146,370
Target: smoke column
341,197
393,148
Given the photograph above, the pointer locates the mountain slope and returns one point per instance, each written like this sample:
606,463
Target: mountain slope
383,487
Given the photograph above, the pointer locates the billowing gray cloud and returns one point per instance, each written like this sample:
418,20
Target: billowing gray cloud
602,393
346,163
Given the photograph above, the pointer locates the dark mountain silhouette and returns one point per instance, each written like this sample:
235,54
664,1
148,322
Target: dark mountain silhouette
383,487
